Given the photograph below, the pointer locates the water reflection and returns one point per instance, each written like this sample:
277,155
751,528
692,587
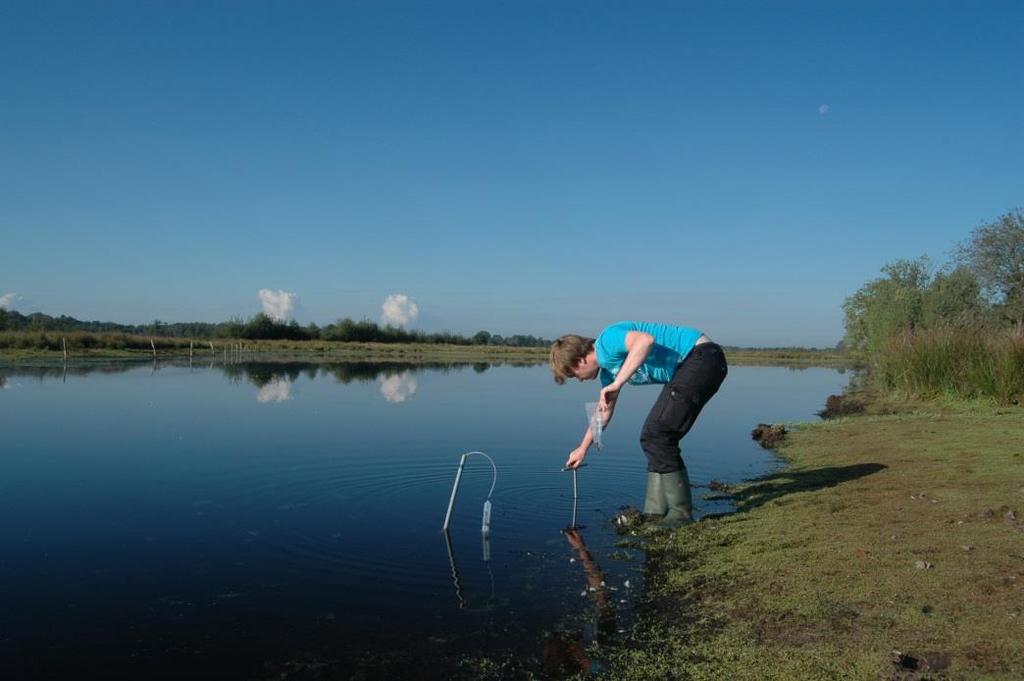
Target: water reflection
279,389
566,651
457,576
274,379
398,388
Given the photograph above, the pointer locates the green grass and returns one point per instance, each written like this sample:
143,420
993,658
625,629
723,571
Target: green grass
794,357
960,363
816,576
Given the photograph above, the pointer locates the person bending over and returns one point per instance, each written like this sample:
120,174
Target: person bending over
689,366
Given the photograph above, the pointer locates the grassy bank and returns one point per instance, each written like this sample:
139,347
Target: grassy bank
959,363
84,346
887,532
794,357
21,345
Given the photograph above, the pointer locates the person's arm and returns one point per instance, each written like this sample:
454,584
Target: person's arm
638,344
577,455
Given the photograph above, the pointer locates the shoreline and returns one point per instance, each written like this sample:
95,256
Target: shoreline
242,350
890,546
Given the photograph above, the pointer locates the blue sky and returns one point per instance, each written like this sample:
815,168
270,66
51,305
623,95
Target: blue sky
521,167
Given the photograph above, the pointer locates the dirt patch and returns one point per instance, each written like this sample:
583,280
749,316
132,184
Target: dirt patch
768,436
1003,513
841,405
914,666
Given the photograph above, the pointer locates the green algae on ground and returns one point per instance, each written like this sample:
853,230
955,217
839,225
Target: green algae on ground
890,542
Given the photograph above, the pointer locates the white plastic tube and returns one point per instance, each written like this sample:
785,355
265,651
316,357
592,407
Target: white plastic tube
485,526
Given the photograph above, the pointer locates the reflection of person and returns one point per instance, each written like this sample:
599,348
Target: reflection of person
690,367
565,653
595,578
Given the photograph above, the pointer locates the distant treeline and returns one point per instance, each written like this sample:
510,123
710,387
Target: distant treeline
261,327
957,330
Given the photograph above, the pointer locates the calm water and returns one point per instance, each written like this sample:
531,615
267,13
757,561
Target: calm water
259,521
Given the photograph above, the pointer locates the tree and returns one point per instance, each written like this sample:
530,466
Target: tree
261,327
233,328
481,338
952,299
886,306
995,254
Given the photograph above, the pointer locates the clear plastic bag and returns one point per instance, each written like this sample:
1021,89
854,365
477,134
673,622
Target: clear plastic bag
594,419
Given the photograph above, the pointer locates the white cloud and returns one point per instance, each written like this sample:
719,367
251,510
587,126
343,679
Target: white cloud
277,304
398,388
278,390
399,310
6,300
823,109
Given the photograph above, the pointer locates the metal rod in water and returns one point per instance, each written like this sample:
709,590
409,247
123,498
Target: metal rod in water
575,491
575,496
455,490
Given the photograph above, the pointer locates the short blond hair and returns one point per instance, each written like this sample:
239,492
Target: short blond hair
566,353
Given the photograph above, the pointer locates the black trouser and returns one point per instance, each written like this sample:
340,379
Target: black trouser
696,380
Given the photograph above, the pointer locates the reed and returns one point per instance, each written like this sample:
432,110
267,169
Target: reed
961,363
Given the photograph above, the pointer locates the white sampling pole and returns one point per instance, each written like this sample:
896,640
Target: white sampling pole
455,490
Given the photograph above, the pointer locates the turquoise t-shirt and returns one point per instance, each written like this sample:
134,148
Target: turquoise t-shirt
671,345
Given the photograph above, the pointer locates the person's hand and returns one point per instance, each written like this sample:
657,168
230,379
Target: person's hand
576,457
609,394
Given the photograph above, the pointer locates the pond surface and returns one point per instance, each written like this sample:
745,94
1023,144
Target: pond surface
283,520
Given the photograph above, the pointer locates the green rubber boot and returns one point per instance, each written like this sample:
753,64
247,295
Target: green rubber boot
676,488
655,506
